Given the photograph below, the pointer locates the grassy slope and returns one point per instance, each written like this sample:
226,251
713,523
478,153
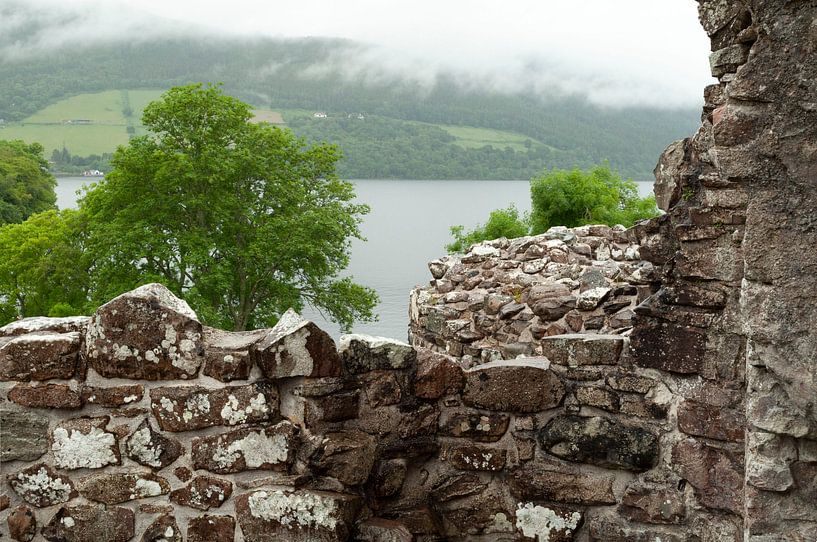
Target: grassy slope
105,110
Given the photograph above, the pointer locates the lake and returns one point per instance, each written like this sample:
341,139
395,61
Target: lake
407,227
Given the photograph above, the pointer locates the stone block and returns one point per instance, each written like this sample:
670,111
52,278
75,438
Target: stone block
296,516
457,486
362,353
145,334
151,448
475,426
383,530
251,448
39,356
42,486
89,523
653,503
227,354
22,524
553,524
45,324
209,528
536,481
296,347
163,529
716,474
600,441
477,458
59,396
668,346
115,488
703,420
25,435
84,443
347,456
437,375
112,396
522,385
185,408
203,493
583,349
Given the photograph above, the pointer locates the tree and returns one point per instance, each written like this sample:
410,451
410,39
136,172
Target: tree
43,268
564,198
26,187
575,197
240,219
501,223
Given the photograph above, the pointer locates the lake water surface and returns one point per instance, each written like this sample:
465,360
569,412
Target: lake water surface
407,227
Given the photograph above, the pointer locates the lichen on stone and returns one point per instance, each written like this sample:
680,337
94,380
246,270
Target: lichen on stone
539,522
256,449
76,450
301,509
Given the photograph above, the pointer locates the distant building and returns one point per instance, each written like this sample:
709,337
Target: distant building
319,115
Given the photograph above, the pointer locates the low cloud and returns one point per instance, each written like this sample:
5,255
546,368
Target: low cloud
633,52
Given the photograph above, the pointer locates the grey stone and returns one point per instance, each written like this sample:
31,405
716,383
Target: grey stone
25,435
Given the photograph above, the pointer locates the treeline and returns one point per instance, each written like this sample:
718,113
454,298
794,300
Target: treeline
384,148
64,163
274,73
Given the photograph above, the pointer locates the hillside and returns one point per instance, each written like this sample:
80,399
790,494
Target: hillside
450,129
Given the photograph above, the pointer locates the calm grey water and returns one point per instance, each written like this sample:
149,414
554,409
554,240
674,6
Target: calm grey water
407,227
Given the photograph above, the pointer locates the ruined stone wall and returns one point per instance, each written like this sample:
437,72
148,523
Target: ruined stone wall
676,402
141,424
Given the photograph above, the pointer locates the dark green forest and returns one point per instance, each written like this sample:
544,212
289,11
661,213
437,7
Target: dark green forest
566,131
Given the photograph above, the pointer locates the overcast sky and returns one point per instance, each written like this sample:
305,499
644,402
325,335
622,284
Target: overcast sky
620,52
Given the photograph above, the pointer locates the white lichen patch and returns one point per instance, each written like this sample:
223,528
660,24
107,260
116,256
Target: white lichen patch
256,449
150,355
295,509
233,414
140,446
167,404
538,521
146,488
68,522
295,347
79,450
42,487
196,405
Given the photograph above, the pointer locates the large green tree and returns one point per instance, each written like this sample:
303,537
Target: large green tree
43,266
26,187
243,220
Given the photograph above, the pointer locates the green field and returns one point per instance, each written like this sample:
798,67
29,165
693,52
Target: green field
103,122
80,140
469,137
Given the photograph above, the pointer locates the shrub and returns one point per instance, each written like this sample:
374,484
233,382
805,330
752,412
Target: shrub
598,196
501,223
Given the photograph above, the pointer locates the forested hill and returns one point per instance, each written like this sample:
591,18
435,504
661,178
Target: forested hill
407,123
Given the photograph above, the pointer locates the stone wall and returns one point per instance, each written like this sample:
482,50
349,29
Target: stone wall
139,423
652,384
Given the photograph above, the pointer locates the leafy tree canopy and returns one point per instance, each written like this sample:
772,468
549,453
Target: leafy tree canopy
564,198
243,220
43,270
26,187
575,197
